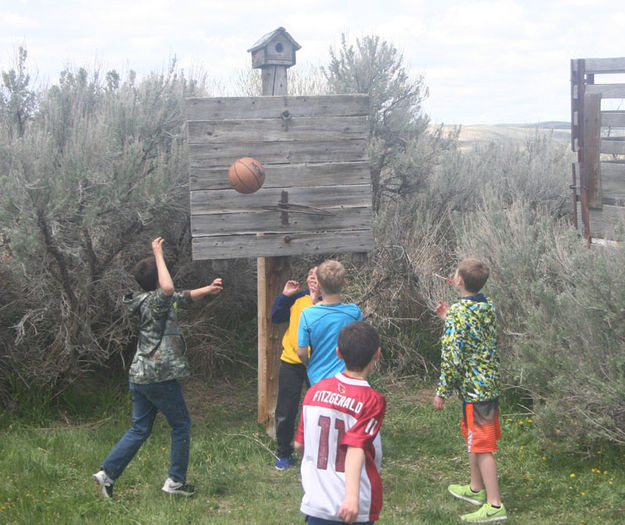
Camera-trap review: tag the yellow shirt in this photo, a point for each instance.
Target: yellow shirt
(289, 341)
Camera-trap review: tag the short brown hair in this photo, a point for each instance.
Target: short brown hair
(474, 273)
(358, 343)
(331, 276)
(146, 274)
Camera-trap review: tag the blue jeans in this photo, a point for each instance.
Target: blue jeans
(291, 378)
(147, 400)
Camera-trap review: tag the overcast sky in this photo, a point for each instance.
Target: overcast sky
(485, 62)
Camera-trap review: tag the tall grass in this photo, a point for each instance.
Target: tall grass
(562, 313)
(560, 306)
(46, 471)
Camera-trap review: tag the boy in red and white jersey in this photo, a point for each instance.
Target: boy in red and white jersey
(338, 436)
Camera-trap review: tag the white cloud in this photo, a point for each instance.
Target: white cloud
(485, 61)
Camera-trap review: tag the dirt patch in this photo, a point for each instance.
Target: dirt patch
(202, 396)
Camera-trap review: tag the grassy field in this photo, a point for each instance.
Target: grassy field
(46, 471)
(471, 135)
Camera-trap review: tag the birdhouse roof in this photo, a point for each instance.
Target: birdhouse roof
(270, 36)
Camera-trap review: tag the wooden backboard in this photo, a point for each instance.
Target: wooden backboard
(312, 148)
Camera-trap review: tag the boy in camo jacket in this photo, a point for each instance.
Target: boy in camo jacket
(470, 365)
(153, 376)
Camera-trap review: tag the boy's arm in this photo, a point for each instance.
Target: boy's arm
(299, 436)
(164, 279)
(354, 460)
(302, 353)
(303, 338)
(212, 289)
(451, 357)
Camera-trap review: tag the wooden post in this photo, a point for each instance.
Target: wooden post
(590, 161)
(272, 273)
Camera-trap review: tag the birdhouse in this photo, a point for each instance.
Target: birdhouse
(274, 49)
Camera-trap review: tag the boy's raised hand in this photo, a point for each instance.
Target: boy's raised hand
(212, 289)
(290, 288)
(157, 246)
(441, 309)
(315, 291)
(215, 287)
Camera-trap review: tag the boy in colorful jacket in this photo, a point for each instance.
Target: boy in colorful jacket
(470, 365)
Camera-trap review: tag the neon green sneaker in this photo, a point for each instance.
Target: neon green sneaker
(465, 493)
(485, 514)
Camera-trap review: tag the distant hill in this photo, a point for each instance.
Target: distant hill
(471, 135)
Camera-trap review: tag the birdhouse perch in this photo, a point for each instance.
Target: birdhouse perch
(274, 49)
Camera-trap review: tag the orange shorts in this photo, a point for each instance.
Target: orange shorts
(480, 425)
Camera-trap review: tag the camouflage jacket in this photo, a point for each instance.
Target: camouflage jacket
(469, 359)
(161, 349)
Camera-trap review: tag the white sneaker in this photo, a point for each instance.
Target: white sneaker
(175, 487)
(105, 483)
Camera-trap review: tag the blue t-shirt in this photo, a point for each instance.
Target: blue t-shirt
(319, 328)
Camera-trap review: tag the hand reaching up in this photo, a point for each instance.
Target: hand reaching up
(290, 288)
(441, 310)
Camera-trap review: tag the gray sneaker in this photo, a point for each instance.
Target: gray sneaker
(105, 483)
(176, 487)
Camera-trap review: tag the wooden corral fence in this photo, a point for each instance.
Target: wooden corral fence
(598, 138)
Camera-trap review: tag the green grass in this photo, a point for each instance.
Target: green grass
(46, 471)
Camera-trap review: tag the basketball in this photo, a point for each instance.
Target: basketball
(246, 175)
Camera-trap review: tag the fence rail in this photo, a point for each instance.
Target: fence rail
(598, 138)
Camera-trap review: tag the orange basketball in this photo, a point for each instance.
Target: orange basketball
(246, 175)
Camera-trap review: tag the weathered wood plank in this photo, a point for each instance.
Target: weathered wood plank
(274, 245)
(589, 165)
(214, 155)
(277, 130)
(230, 201)
(272, 107)
(613, 180)
(613, 118)
(342, 218)
(612, 146)
(608, 223)
(285, 176)
(604, 65)
(607, 90)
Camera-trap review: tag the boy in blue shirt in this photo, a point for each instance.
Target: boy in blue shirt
(319, 325)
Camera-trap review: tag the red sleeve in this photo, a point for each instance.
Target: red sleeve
(368, 425)
(299, 437)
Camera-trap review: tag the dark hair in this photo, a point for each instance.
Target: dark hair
(358, 342)
(146, 274)
(474, 273)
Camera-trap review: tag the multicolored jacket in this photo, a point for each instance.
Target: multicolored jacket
(161, 349)
(469, 360)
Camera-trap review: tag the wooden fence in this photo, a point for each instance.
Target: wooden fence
(598, 138)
